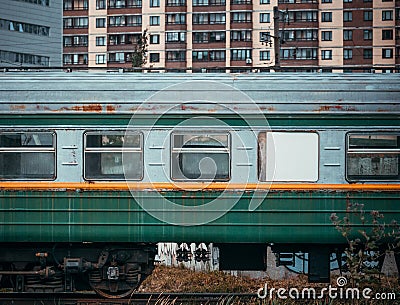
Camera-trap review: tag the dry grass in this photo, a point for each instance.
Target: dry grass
(172, 279)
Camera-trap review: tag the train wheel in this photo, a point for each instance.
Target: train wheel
(109, 283)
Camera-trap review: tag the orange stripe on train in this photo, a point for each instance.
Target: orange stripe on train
(110, 186)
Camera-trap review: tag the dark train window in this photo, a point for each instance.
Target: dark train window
(373, 157)
(200, 157)
(113, 156)
(27, 155)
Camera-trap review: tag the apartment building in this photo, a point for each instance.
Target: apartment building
(31, 33)
(210, 35)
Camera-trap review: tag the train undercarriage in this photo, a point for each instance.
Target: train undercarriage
(112, 271)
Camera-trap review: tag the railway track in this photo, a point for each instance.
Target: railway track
(135, 299)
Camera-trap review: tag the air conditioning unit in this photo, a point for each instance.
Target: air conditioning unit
(248, 61)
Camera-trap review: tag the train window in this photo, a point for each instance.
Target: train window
(201, 157)
(373, 157)
(27, 155)
(288, 156)
(105, 151)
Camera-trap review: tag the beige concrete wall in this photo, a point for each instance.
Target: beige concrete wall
(259, 27)
(148, 11)
(336, 26)
(93, 50)
(378, 26)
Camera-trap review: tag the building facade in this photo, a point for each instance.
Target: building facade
(212, 35)
(31, 33)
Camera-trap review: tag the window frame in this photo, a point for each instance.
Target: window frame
(28, 149)
(361, 151)
(200, 133)
(121, 149)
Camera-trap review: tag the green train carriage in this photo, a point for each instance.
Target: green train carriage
(95, 169)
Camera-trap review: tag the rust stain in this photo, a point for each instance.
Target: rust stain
(110, 108)
(17, 107)
(188, 107)
(83, 108)
(330, 107)
(268, 108)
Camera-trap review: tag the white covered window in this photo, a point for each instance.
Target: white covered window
(288, 156)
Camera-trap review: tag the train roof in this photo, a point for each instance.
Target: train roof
(83, 92)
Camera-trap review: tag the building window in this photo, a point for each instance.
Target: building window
(124, 3)
(326, 1)
(176, 56)
(75, 41)
(347, 35)
(300, 35)
(175, 37)
(200, 55)
(241, 35)
(265, 1)
(100, 4)
(76, 23)
(116, 57)
(212, 18)
(75, 5)
(368, 15)
(387, 34)
(367, 34)
(326, 54)
(241, 17)
(216, 37)
(39, 2)
(100, 22)
(154, 20)
(347, 1)
(347, 16)
(214, 55)
(387, 53)
(104, 152)
(240, 54)
(265, 55)
(154, 39)
(30, 28)
(208, 2)
(100, 59)
(241, 2)
(75, 59)
(24, 58)
(326, 16)
(154, 3)
(28, 155)
(121, 39)
(175, 2)
(326, 35)
(265, 17)
(299, 53)
(387, 15)
(177, 18)
(200, 156)
(367, 53)
(302, 16)
(100, 41)
(373, 156)
(154, 57)
(347, 54)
